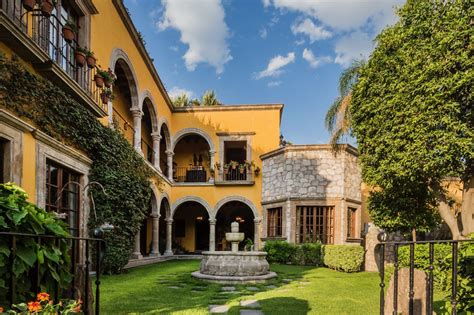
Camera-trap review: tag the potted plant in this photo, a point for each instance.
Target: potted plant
(91, 59)
(233, 164)
(226, 168)
(242, 168)
(28, 5)
(99, 79)
(47, 7)
(106, 96)
(110, 78)
(248, 245)
(257, 171)
(80, 56)
(69, 31)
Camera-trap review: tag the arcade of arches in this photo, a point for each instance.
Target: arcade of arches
(193, 228)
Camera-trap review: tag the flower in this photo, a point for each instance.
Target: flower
(34, 307)
(42, 297)
(1, 309)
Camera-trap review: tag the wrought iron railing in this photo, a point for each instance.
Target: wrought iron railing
(46, 32)
(85, 252)
(123, 126)
(235, 174)
(192, 174)
(148, 152)
(451, 261)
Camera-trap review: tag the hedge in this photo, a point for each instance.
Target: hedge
(347, 258)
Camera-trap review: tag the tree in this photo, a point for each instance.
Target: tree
(338, 120)
(180, 100)
(412, 114)
(210, 99)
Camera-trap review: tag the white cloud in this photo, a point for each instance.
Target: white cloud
(266, 3)
(356, 45)
(314, 61)
(273, 83)
(174, 48)
(299, 42)
(202, 28)
(275, 66)
(177, 91)
(342, 14)
(308, 28)
(263, 33)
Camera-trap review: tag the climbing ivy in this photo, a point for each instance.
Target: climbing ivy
(116, 165)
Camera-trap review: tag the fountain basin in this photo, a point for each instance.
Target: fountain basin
(234, 267)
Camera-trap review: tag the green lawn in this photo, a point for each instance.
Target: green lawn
(304, 290)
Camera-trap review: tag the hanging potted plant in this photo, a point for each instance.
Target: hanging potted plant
(80, 56)
(226, 168)
(28, 5)
(257, 171)
(109, 78)
(100, 78)
(47, 7)
(91, 59)
(69, 31)
(106, 96)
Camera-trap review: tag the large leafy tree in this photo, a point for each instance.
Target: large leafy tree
(412, 114)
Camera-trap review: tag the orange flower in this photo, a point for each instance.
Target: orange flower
(42, 297)
(34, 307)
(1, 309)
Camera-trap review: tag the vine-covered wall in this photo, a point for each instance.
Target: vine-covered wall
(116, 165)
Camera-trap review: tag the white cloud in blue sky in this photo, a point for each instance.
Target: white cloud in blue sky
(314, 61)
(308, 28)
(276, 65)
(202, 27)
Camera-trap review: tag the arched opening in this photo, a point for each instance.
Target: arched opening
(190, 228)
(164, 146)
(147, 129)
(191, 159)
(228, 213)
(146, 231)
(121, 116)
(164, 213)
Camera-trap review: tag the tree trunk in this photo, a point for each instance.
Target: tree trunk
(467, 207)
(448, 216)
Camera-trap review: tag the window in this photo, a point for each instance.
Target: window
(235, 152)
(62, 196)
(274, 222)
(351, 222)
(315, 223)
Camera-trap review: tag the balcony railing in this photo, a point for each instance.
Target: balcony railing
(192, 174)
(46, 32)
(148, 151)
(123, 126)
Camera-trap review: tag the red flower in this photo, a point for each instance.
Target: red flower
(42, 297)
(34, 307)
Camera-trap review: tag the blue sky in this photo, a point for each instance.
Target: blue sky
(262, 51)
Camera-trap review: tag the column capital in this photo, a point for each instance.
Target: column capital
(169, 221)
(155, 216)
(212, 221)
(155, 136)
(257, 220)
(169, 152)
(136, 113)
(212, 152)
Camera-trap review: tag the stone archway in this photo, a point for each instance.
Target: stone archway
(147, 238)
(165, 152)
(150, 136)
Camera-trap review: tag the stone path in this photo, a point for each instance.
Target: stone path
(250, 304)
(251, 312)
(252, 288)
(218, 309)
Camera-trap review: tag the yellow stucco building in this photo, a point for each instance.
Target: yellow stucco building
(197, 190)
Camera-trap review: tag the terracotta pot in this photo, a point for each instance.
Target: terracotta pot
(47, 7)
(91, 61)
(80, 58)
(68, 34)
(107, 84)
(29, 5)
(99, 80)
(104, 98)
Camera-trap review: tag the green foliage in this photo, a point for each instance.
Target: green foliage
(17, 215)
(116, 165)
(347, 258)
(283, 252)
(180, 100)
(412, 112)
(210, 99)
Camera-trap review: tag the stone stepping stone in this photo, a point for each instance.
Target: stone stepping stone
(270, 287)
(253, 289)
(287, 280)
(230, 292)
(218, 309)
(228, 289)
(199, 288)
(174, 287)
(251, 312)
(250, 304)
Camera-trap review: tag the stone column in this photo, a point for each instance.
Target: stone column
(156, 149)
(212, 234)
(256, 242)
(170, 154)
(212, 165)
(136, 252)
(169, 231)
(155, 236)
(137, 126)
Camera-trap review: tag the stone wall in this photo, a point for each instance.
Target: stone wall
(310, 172)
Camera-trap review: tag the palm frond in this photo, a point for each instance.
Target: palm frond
(349, 76)
(210, 99)
(331, 115)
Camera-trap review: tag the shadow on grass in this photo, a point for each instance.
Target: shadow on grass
(278, 305)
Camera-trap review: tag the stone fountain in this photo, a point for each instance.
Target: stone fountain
(234, 266)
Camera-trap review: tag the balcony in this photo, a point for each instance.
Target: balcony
(192, 174)
(123, 126)
(38, 39)
(234, 173)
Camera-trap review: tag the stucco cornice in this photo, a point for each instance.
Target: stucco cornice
(230, 107)
(311, 147)
(141, 48)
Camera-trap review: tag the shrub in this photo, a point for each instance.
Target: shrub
(283, 252)
(280, 252)
(347, 258)
(17, 215)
